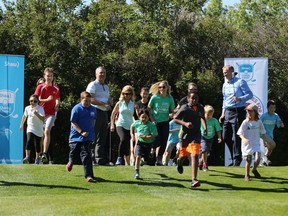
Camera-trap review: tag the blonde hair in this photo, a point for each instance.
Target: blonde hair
(129, 89)
(208, 108)
(154, 89)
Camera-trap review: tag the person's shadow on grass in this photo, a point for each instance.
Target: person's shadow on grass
(9, 184)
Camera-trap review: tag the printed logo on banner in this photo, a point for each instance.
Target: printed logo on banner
(256, 100)
(7, 103)
(246, 71)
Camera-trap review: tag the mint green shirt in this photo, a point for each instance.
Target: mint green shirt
(213, 126)
(145, 129)
(161, 107)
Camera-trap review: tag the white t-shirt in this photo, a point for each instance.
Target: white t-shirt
(251, 130)
(34, 124)
(101, 92)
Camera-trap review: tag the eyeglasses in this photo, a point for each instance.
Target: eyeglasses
(33, 101)
(161, 87)
(126, 94)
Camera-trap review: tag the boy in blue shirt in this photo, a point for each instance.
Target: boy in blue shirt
(82, 134)
(270, 119)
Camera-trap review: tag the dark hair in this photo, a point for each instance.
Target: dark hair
(270, 102)
(143, 111)
(145, 88)
(194, 91)
(35, 96)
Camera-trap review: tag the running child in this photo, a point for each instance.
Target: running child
(213, 128)
(249, 132)
(146, 131)
(190, 117)
(35, 114)
(270, 119)
(172, 141)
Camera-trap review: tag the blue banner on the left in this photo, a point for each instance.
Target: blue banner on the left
(11, 108)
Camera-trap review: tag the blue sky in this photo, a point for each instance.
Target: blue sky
(225, 2)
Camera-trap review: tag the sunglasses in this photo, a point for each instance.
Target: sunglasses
(126, 94)
(161, 87)
(33, 101)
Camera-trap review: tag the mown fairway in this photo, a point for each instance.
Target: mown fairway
(51, 190)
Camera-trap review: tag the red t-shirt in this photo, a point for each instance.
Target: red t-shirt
(44, 91)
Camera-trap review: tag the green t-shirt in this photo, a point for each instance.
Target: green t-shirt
(213, 126)
(145, 129)
(161, 107)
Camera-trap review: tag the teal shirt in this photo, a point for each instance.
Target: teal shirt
(161, 107)
(126, 112)
(145, 129)
(213, 126)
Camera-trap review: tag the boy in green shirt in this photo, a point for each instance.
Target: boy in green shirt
(213, 127)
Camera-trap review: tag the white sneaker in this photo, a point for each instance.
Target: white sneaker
(266, 161)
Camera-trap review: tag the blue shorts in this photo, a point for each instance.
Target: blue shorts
(206, 145)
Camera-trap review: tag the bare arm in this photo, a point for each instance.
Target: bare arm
(78, 129)
(23, 122)
(113, 114)
(99, 103)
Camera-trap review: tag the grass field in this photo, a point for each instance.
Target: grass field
(51, 190)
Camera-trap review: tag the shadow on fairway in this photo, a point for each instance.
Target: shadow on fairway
(144, 182)
(5, 183)
(273, 180)
(223, 186)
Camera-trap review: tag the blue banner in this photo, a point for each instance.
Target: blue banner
(11, 108)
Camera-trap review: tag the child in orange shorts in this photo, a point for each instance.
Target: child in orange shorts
(190, 117)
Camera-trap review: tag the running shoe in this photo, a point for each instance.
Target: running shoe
(247, 178)
(69, 166)
(26, 160)
(37, 161)
(256, 173)
(205, 167)
(195, 183)
(137, 175)
(91, 179)
(44, 158)
(179, 166)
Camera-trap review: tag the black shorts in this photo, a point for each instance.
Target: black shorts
(143, 149)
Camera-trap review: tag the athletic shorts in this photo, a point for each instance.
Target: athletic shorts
(49, 121)
(170, 147)
(206, 145)
(191, 148)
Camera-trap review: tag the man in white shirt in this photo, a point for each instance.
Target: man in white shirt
(101, 100)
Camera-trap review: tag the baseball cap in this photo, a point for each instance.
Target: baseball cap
(252, 107)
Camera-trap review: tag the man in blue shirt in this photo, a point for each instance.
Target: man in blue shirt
(82, 134)
(235, 94)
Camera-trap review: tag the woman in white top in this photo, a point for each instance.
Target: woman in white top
(125, 110)
(35, 114)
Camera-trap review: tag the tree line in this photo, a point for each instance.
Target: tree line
(143, 42)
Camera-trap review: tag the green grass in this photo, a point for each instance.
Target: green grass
(51, 190)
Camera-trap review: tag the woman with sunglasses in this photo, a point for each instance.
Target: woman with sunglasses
(35, 114)
(125, 108)
(161, 105)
